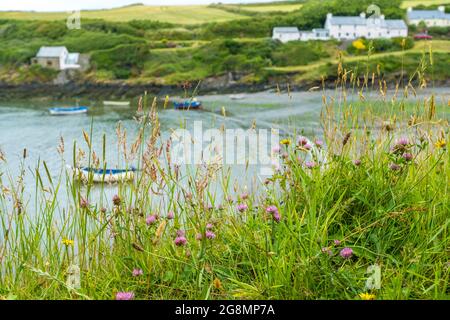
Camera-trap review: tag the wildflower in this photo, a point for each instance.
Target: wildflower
(346, 253)
(394, 167)
(285, 155)
(318, 143)
(271, 209)
(285, 142)
(210, 235)
(407, 156)
(307, 146)
(209, 226)
(276, 149)
(357, 162)
(198, 236)
(137, 272)
(151, 219)
(180, 241)
(310, 164)
(302, 141)
(84, 203)
(103, 210)
(244, 196)
(276, 216)
(440, 144)
(327, 251)
(124, 296)
(337, 242)
(116, 200)
(242, 207)
(170, 215)
(68, 242)
(367, 296)
(402, 142)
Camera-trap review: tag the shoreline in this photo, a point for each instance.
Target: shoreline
(122, 90)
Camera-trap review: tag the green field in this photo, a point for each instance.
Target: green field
(171, 14)
(285, 7)
(413, 3)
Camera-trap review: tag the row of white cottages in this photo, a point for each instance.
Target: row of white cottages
(353, 27)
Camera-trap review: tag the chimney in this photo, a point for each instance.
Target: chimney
(362, 15)
(410, 9)
(329, 15)
(441, 8)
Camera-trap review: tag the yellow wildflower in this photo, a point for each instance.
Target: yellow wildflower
(367, 296)
(67, 242)
(441, 143)
(285, 142)
(359, 44)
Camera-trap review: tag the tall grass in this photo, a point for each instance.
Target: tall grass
(379, 187)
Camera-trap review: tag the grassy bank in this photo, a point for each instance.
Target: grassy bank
(371, 193)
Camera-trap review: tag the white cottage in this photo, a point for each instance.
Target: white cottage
(286, 34)
(57, 58)
(353, 27)
(431, 18)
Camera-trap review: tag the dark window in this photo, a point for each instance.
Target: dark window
(49, 63)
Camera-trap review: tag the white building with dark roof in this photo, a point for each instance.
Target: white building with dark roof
(431, 18)
(57, 58)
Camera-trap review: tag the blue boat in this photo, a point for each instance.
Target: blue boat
(104, 175)
(187, 105)
(68, 110)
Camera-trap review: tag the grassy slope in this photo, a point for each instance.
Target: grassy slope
(174, 14)
(413, 3)
(285, 7)
(436, 45)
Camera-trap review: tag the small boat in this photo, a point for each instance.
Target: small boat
(68, 110)
(117, 103)
(103, 175)
(237, 96)
(187, 105)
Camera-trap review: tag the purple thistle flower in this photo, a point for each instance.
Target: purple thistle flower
(346, 253)
(272, 209)
(198, 236)
(276, 216)
(244, 196)
(357, 162)
(337, 242)
(209, 226)
(124, 296)
(310, 164)
(394, 167)
(151, 219)
(242, 207)
(137, 272)
(170, 215)
(407, 156)
(116, 200)
(402, 142)
(180, 241)
(84, 203)
(210, 235)
(327, 251)
(307, 146)
(318, 143)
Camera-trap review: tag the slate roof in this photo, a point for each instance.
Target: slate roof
(427, 14)
(50, 52)
(285, 30)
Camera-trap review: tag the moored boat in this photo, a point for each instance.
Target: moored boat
(117, 103)
(86, 174)
(68, 110)
(187, 105)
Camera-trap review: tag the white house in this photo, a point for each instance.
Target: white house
(431, 18)
(353, 27)
(57, 58)
(347, 27)
(286, 34)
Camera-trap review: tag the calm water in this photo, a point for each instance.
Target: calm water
(25, 124)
